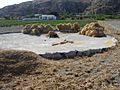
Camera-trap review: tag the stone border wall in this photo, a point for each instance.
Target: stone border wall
(72, 54)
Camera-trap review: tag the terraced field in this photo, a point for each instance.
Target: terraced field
(8, 23)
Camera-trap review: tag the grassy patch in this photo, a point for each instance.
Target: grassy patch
(7, 23)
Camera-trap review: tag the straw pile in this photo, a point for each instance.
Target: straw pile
(52, 34)
(37, 29)
(93, 30)
(68, 27)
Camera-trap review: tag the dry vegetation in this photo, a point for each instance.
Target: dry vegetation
(27, 71)
(35, 29)
(68, 27)
(93, 30)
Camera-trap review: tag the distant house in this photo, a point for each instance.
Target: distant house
(47, 17)
(30, 19)
(41, 17)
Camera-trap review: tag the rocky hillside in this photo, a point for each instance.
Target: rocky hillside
(61, 6)
(104, 6)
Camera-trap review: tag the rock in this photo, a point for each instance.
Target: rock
(55, 56)
(87, 53)
(71, 54)
(92, 51)
(79, 53)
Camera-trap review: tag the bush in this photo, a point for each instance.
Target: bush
(100, 18)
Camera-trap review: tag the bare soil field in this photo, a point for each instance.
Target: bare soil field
(22, 70)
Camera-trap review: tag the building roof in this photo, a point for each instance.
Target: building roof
(48, 16)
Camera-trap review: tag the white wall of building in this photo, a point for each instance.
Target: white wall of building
(48, 17)
(42, 17)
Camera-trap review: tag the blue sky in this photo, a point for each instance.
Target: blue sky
(10, 2)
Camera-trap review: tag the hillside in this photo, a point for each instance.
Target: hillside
(61, 6)
(104, 6)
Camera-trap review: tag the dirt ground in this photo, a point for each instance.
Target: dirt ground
(31, 72)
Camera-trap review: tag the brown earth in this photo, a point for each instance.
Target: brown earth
(30, 72)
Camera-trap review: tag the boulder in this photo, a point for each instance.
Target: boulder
(55, 56)
(71, 54)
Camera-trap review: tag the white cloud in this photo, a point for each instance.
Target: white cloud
(10, 2)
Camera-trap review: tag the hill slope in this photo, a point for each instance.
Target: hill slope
(104, 6)
(61, 6)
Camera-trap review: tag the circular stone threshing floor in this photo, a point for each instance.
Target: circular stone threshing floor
(42, 44)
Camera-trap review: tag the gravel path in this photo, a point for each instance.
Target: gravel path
(115, 24)
(15, 29)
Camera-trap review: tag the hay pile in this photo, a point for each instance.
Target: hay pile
(37, 29)
(26, 29)
(68, 27)
(52, 34)
(93, 30)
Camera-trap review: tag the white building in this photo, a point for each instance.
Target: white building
(47, 17)
(41, 17)
(29, 19)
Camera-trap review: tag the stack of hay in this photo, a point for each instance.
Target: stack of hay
(37, 29)
(34, 30)
(69, 28)
(26, 29)
(52, 34)
(93, 30)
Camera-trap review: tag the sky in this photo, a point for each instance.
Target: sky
(10, 2)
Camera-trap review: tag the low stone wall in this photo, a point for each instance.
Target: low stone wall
(72, 54)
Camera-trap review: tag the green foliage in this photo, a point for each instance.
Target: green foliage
(101, 16)
(4, 23)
